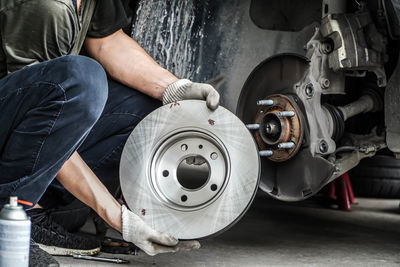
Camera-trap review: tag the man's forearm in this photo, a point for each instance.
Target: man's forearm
(80, 181)
(128, 63)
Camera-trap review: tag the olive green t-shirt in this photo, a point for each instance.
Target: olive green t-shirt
(34, 31)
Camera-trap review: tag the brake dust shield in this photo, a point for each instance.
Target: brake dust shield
(190, 171)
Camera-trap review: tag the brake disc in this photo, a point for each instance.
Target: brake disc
(190, 171)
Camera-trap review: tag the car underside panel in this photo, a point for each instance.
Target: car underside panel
(285, 15)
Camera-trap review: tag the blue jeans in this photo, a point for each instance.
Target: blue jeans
(52, 109)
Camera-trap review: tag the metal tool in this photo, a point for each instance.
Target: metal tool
(103, 259)
(188, 198)
(15, 231)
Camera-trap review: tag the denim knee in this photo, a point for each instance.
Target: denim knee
(87, 86)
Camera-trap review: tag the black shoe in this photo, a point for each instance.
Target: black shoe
(40, 258)
(71, 216)
(54, 239)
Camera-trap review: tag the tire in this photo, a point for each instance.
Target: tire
(377, 177)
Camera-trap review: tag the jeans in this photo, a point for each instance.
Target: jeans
(52, 109)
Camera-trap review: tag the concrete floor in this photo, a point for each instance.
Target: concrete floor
(293, 234)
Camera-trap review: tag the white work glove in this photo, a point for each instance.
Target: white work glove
(185, 89)
(135, 230)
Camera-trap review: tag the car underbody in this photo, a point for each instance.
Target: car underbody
(315, 81)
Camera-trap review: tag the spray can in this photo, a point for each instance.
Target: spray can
(15, 232)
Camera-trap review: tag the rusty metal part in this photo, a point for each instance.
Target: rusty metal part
(276, 129)
(308, 171)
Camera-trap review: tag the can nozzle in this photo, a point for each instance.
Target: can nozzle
(13, 201)
(13, 212)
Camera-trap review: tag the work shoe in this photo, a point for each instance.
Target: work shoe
(55, 240)
(39, 257)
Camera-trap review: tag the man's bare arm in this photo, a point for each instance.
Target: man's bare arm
(128, 63)
(81, 182)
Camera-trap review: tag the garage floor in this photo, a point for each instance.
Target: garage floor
(293, 234)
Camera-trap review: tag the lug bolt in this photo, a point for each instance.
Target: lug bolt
(287, 145)
(323, 146)
(253, 126)
(326, 48)
(290, 113)
(325, 83)
(265, 102)
(266, 153)
(309, 90)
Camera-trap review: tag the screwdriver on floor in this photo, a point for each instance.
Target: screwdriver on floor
(103, 259)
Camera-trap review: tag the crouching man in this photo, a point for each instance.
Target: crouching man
(65, 118)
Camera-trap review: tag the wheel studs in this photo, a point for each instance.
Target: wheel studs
(265, 102)
(290, 113)
(287, 145)
(266, 153)
(253, 127)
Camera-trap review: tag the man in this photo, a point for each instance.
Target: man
(61, 117)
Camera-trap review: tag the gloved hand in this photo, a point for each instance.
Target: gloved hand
(135, 230)
(185, 89)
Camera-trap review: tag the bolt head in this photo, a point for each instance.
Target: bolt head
(325, 83)
(326, 48)
(323, 146)
(268, 129)
(309, 90)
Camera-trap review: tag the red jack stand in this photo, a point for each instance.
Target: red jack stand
(340, 192)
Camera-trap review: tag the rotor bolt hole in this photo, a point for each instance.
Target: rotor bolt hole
(214, 156)
(214, 187)
(200, 146)
(184, 147)
(184, 198)
(165, 173)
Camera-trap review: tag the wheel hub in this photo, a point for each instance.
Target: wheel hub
(280, 128)
(194, 168)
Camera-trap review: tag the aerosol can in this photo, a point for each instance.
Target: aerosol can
(15, 231)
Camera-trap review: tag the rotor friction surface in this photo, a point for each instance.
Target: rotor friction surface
(169, 136)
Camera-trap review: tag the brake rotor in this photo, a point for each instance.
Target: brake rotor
(190, 171)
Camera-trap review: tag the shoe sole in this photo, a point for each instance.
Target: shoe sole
(57, 251)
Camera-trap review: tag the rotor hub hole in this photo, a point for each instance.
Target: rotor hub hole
(193, 172)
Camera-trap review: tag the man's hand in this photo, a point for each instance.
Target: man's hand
(135, 230)
(79, 180)
(185, 89)
(125, 61)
